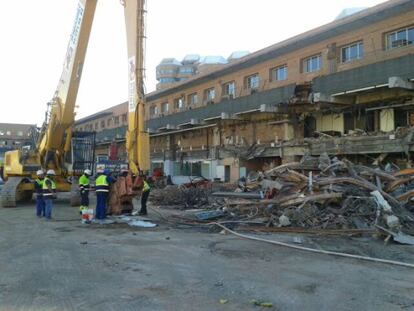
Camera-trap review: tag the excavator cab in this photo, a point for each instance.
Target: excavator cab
(20, 168)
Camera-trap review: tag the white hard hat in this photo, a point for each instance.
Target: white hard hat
(40, 173)
(51, 172)
(87, 172)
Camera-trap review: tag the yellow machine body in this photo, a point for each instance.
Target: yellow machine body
(55, 136)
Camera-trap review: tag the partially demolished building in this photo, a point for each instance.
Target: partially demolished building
(345, 88)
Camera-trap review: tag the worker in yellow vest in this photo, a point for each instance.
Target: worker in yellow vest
(49, 192)
(84, 189)
(144, 196)
(40, 203)
(102, 192)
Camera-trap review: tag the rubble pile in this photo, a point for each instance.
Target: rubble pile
(180, 197)
(324, 193)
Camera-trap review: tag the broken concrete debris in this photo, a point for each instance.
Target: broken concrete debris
(318, 193)
(180, 197)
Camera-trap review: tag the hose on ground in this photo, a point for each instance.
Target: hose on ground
(302, 248)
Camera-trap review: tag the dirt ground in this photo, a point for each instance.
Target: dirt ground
(64, 265)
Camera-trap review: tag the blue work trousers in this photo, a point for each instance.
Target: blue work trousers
(84, 197)
(49, 207)
(101, 199)
(40, 206)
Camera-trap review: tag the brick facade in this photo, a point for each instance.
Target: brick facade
(334, 80)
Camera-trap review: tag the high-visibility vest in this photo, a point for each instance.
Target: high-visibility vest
(46, 191)
(101, 184)
(146, 187)
(84, 182)
(39, 187)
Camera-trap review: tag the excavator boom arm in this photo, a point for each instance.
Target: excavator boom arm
(62, 113)
(137, 138)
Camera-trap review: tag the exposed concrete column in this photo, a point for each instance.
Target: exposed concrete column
(387, 122)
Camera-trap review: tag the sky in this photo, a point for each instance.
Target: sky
(34, 37)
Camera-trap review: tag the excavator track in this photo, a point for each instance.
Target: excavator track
(11, 194)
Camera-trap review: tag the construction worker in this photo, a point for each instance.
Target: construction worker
(144, 196)
(102, 192)
(49, 192)
(84, 190)
(40, 203)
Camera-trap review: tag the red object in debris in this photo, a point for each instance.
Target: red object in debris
(157, 172)
(113, 151)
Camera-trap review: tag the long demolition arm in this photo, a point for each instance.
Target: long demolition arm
(56, 136)
(137, 139)
(52, 143)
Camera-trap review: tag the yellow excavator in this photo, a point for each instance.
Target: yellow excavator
(55, 142)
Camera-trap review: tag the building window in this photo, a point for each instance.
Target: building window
(102, 124)
(165, 71)
(186, 70)
(312, 64)
(252, 82)
(96, 125)
(165, 108)
(179, 103)
(153, 110)
(124, 118)
(279, 73)
(352, 52)
(167, 80)
(193, 99)
(399, 38)
(109, 122)
(229, 89)
(210, 95)
(116, 120)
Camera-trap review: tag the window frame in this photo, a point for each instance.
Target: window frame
(226, 89)
(248, 84)
(207, 98)
(190, 99)
(165, 104)
(153, 110)
(179, 103)
(360, 55)
(274, 70)
(388, 44)
(309, 58)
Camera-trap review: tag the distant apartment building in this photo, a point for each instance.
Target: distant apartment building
(14, 136)
(345, 88)
(171, 71)
(110, 126)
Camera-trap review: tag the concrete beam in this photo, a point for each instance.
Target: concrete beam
(228, 116)
(397, 82)
(195, 121)
(274, 108)
(325, 98)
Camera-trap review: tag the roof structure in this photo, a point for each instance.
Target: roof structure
(343, 25)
